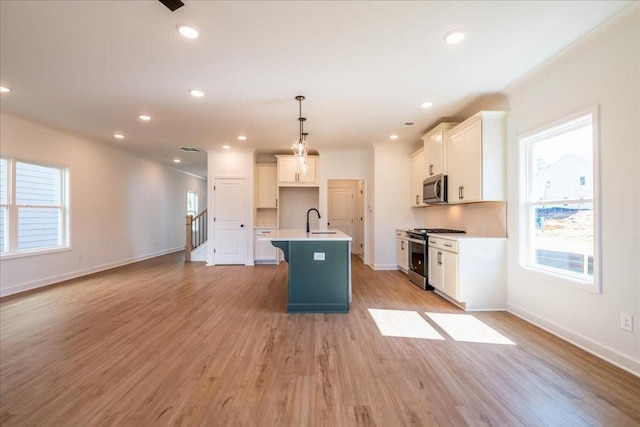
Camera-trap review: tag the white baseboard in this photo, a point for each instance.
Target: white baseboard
(621, 360)
(47, 281)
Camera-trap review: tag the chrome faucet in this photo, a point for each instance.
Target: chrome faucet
(312, 209)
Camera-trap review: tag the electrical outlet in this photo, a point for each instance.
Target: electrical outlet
(626, 322)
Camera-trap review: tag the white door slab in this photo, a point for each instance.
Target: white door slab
(229, 221)
(341, 209)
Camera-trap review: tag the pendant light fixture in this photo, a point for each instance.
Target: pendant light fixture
(300, 147)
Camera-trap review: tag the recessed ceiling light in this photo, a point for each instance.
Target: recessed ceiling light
(118, 136)
(242, 138)
(4, 89)
(394, 136)
(176, 160)
(144, 117)
(196, 93)
(226, 147)
(188, 32)
(426, 105)
(454, 36)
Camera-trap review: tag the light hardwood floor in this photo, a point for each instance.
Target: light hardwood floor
(166, 343)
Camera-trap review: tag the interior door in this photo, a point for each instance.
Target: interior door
(341, 209)
(229, 221)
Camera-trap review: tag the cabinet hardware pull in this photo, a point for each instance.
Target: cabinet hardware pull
(462, 192)
(402, 245)
(417, 199)
(430, 169)
(447, 245)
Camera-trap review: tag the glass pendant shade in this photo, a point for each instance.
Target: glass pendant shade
(300, 147)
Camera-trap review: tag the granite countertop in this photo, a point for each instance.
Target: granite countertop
(301, 235)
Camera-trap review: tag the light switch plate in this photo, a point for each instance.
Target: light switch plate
(318, 256)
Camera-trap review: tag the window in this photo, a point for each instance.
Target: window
(192, 203)
(561, 235)
(33, 207)
(192, 208)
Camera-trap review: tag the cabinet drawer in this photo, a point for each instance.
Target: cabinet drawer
(264, 233)
(444, 244)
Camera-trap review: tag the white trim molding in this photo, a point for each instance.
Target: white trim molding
(600, 350)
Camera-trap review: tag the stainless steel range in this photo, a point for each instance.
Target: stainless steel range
(418, 249)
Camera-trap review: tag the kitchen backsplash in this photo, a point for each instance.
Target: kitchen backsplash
(487, 219)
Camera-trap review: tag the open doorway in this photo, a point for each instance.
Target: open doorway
(346, 210)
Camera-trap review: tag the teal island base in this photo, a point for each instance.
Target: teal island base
(319, 275)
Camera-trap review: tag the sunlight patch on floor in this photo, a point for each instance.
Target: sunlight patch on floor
(402, 323)
(465, 327)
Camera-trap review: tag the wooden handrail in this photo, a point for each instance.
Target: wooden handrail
(196, 233)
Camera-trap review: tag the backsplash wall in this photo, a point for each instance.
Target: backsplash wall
(487, 219)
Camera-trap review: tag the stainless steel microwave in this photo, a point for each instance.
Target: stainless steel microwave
(434, 190)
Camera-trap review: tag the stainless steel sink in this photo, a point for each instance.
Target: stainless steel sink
(323, 232)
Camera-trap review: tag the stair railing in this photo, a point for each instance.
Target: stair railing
(196, 233)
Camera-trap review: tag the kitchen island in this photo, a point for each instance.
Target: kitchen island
(319, 269)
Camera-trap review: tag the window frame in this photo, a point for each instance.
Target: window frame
(12, 227)
(527, 203)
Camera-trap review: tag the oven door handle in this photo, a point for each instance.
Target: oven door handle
(420, 242)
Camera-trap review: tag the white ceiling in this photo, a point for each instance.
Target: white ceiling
(91, 67)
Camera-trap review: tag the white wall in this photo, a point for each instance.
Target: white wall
(232, 164)
(123, 208)
(603, 70)
(391, 201)
(336, 164)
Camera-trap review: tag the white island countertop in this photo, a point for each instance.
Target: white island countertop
(301, 235)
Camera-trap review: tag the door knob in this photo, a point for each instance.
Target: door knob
(241, 225)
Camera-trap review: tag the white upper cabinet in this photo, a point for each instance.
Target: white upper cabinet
(417, 175)
(476, 156)
(435, 153)
(267, 185)
(290, 176)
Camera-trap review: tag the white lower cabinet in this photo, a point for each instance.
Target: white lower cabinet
(402, 251)
(264, 252)
(469, 271)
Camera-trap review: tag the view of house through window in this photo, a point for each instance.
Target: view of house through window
(560, 198)
(33, 212)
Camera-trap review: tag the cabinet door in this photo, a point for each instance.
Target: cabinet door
(435, 268)
(433, 155)
(472, 181)
(450, 273)
(402, 253)
(417, 175)
(267, 186)
(287, 170)
(311, 176)
(455, 166)
(264, 251)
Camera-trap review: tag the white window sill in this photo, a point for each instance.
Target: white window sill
(560, 279)
(33, 252)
